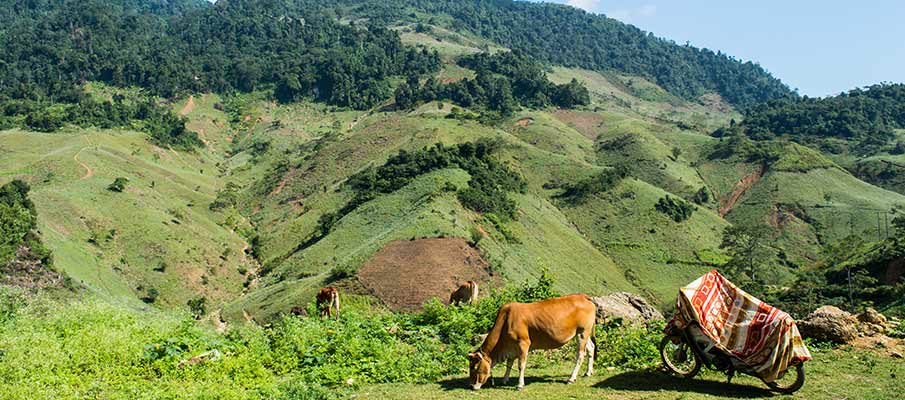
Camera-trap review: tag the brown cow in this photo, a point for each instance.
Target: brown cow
(547, 324)
(466, 293)
(328, 302)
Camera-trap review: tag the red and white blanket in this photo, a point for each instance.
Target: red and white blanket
(762, 336)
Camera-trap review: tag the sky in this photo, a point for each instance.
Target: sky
(818, 47)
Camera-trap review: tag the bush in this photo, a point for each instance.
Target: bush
(198, 306)
(677, 209)
(118, 185)
(602, 182)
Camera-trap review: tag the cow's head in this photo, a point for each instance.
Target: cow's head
(478, 369)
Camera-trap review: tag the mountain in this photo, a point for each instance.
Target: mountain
(267, 149)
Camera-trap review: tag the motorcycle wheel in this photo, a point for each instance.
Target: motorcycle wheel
(679, 359)
(785, 386)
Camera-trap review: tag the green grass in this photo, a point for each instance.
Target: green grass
(112, 242)
(833, 374)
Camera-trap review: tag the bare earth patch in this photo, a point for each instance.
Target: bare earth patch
(407, 273)
(587, 123)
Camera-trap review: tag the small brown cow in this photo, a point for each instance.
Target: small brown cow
(328, 302)
(547, 324)
(466, 293)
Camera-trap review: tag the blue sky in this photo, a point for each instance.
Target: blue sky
(818, 47)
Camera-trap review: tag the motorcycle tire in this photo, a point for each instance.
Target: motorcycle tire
(799, 382)
(668, 364)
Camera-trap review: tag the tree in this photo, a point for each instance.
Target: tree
(118, 185)
(198, 306)
(751, 259)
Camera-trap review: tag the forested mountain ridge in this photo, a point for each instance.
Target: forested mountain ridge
(563, 35)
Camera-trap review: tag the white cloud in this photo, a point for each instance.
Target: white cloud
(632, 14)
(587, 5)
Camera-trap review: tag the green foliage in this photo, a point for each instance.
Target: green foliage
(562, 35)
(629, 347)
(198, 306)
(232, 46)
(677, 209)
(138, 112)
(226, 197)
(752, 262)
(701, 197)
(19, 224)
(867, 117)
(579, 192)
(503, 81)
(118, 185)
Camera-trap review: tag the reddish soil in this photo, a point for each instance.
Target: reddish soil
(405, 274)
(189, 106)
(523, 122)
(742, 186)
(587, 123)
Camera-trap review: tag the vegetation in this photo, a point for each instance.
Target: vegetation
(18, 225)
(677, 209)
(568, 36)
(602, 182)
(864, 118)
(191, 46)
(503, 81)
(118, 185)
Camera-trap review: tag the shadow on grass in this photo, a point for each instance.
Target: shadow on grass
(653, 381)
(463, 384)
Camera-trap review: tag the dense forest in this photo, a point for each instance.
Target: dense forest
(865, 117)
(49, 47)
(503, 82)
(568, 36)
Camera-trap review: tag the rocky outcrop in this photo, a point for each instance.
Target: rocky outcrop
(626, 307)
(830, 324)
(872, 323)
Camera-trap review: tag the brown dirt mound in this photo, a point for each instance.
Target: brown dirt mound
(405, 274)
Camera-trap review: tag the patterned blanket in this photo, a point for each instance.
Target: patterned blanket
(763, 337)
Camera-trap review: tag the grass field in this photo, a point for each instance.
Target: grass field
(834, 374)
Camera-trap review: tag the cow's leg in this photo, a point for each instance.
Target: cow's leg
(336, 304)
(581, 339)
(524, 346)
(592, 349)
(509, 362)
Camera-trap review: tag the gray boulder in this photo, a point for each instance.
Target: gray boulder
(829, 323)
(627, 307)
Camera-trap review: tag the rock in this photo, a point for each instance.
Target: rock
(829, 323)
(627, 307)
(895, 354)
(872, 317)
(209, 356)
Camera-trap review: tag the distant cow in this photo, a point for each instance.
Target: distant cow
(548, 324)
(328, 302)
(466, 293)
(298, 311)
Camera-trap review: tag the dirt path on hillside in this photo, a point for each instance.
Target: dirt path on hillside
(739, 190)
(189, 106)
(89, 172)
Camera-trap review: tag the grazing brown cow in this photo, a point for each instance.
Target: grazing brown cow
(328, 302)
(547, 324)
(466, 293)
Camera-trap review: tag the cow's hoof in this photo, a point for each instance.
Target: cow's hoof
(588, 374)
(570, 381)
(520, 388)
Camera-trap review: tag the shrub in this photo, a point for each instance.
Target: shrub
(677, 209)
(118, 185)
(198, 306)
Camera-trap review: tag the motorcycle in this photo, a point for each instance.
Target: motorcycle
(684, 350)
(719, 325)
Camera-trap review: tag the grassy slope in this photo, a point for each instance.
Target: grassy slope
(161, 217)
(833, 374)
